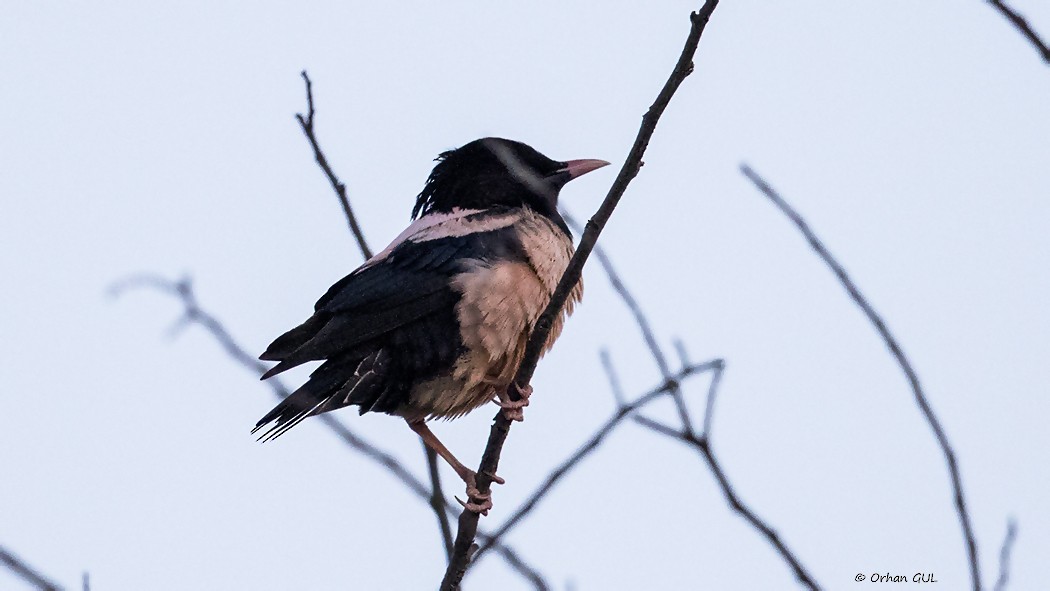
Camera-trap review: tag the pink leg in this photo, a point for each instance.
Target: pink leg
(476, 502)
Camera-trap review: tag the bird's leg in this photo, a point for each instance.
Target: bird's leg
(476, 502)
(512, 409)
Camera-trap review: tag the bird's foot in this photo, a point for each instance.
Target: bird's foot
(478, 502)
(512, 409)
(481, 508)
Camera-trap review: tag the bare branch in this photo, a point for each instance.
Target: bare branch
(1004, 555)
(640, 319)
(589, 446)
(712, 388)
(654, 425)
(683, 355)
(898, 354)
(1022, 25)
(468, 521)
(703, 446)
(183, 291)
(437, 499)
(614, 380)
(307, 123)
(712, 394)
(25, 572)
(514, 561)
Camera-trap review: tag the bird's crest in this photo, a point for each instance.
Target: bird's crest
(437, 182)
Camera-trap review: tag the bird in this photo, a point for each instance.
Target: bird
(435, 324)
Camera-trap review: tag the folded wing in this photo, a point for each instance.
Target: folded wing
(383, 327)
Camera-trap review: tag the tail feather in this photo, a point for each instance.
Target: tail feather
(334, 385)
(297, 406)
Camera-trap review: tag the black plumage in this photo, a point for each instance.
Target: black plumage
(406, 304)
(434, 325)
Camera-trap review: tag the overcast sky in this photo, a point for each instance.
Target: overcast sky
(143, 138)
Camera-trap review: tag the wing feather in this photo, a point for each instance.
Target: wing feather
(390, 323)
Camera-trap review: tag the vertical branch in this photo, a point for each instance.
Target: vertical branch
(468, 521)
(898, 354)
(437, 499)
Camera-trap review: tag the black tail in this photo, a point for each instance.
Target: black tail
(337, 383)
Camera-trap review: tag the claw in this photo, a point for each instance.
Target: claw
(524, 392)
(473, 493)
(482, 509)
(513, 413)
(478, 502)
(512, 409)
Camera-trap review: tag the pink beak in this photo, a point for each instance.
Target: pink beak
(577, 168)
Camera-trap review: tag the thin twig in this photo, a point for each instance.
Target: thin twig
(654, 425)
(468, 520)
(1022, 25)
(703, 446)
(26, 572)
(194, 314)
(1004, 555)
(683, 355)
(614, 380)
(589, 446)
(307, 123)
(640, 319)
(898, 354)
(437, 499)
(712, 394)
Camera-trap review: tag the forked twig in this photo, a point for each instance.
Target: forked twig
(307, 123)
(622, 412)
(640, 319)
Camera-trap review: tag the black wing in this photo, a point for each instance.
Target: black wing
(383, 328)
(410, 284)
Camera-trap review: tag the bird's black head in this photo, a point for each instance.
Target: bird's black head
(494, 171)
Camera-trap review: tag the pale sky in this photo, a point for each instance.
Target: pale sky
(142, 138)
